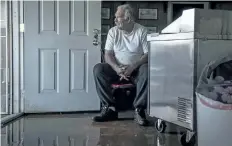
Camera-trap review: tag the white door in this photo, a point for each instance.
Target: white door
(60, 55)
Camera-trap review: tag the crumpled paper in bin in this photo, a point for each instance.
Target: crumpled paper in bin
(216, 92)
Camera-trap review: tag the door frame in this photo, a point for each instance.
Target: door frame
(17, 45)
(15, 35)
(170, 8)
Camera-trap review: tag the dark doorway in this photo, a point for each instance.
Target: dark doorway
(178, 9)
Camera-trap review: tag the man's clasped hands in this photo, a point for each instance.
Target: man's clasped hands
(125, 71)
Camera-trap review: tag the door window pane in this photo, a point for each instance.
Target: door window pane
(3, 10)
(3, 74)
(3, 52)
(3, 28)
(4, 65)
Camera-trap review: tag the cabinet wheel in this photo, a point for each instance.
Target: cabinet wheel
(160, 127)
(185, 142)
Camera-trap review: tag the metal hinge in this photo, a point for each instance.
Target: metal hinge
(22, 94)
(21, 27)
(9, 101)
(9, 106)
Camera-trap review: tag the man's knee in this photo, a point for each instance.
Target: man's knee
(144, 67)
(98, 68)
(144, 70)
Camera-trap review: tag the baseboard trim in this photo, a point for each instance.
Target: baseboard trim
(61, 113)
(7, 119)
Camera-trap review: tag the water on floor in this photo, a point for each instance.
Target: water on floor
(79, 130)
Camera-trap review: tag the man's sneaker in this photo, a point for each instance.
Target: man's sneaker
(140, 117)
(107, 114)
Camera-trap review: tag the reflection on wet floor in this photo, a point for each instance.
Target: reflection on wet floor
(79, 130)
(4, 115)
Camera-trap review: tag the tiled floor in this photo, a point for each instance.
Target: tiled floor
(79, 130)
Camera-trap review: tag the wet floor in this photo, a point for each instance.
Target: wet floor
(3, 115)
(79, 130)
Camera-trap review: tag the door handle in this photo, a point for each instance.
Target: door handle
(96, 37)
(96, 31)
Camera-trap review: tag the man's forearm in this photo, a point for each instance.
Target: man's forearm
(110, 59)
(143, 60)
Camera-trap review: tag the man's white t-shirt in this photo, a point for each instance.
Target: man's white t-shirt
(128, 48)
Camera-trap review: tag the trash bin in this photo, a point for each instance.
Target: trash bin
(214, 104)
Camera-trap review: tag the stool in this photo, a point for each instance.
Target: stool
(124, 94)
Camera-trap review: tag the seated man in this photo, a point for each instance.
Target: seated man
(126, 56)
